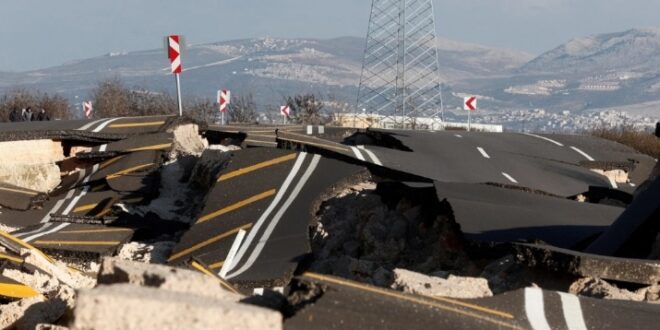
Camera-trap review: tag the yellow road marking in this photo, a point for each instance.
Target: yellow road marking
(257, 141)
(127, 171)
(217, 265)
(236, 206)
(208, 242)
(94, 231)
(84, 208)
(90, 243)
(401, 296)
(128, 125)
(258, 166)
(17, 291)
(109, 162)
(203, 269)
(29, 193)
(25, 245)
(320, 145)
(153, 147)
(11, 258)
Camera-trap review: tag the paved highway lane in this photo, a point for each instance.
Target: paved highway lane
(525, 160)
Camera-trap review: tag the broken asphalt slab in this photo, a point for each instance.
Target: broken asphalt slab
(329, 302)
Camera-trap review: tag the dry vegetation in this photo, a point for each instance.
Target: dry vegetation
(642, 141)
(56, 106)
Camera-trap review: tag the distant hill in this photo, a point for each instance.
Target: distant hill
(269, 68)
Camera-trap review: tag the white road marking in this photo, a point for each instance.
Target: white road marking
(102, 126)
(510, 178)
(258, 291)
(583, 154)
(276, 219)
(570, 304)
(229, 260)
(613, 183)
(59, 227)
(88, 125)
(71, 192)
(280, 194)
(27, 233)
(483, 152)
(458, 136)
(632, 184)
(544, 138)
(358, 154)
(534, 309)
(371, 155)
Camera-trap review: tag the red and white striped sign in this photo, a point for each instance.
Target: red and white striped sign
(470, 103)
(285, 110)
(224, 98)
(87, 109)
(174, 53)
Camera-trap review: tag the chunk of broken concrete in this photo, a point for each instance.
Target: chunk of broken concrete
(124, 306)
(453, 286)
(114, 271)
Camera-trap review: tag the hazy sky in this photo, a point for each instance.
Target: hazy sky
(41, 33)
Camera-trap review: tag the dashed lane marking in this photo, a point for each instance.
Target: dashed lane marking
(510, 178)
(131, 125)
(589, 158)
(483, 152)
(544, 138)
(458, 136)
(103, 125)
(208, 242)
(258, 166)
(434, 304)
(217, 265)
(237, 205)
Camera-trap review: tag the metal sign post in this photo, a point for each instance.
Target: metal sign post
(174, 54)
(470, 104)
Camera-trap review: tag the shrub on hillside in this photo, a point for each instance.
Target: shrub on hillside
(642, 141)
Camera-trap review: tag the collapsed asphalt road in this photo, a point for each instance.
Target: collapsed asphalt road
(261, 209)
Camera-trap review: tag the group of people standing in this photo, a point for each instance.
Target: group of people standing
(26, 114)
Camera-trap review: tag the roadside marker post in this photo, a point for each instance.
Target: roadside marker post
(174, 54)
(469, 105)
(224, 99)
(87, 109)
(284, 111)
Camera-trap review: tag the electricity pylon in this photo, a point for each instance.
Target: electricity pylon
(400, 72)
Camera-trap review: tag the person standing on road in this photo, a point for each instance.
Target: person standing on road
(42, 115)
(14, 116)
(28, 114)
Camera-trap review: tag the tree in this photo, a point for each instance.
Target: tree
(243, 109)
(111, 99)
(55, 105)
(306, 109)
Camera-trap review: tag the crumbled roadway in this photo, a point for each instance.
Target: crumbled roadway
(270, 193)
(517, 214)
(348, 304)
(469, 157)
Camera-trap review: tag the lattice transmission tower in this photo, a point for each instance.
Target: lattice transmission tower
(400, 72)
